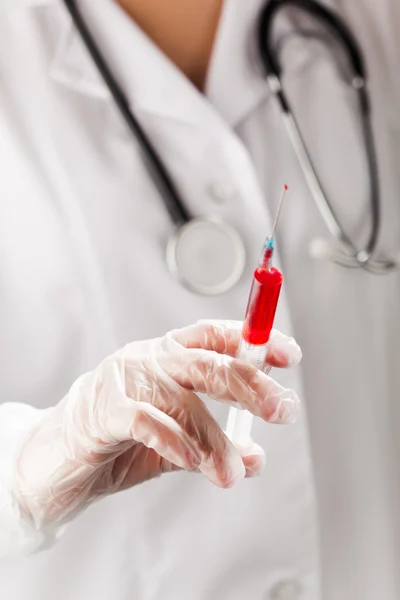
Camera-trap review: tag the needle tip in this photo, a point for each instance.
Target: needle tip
(286, 188)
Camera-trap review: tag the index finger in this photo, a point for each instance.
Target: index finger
(224, 337)
(228, 379)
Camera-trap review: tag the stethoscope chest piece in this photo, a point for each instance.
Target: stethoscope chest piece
(207, 256)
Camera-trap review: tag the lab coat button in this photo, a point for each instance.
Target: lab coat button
(219, 192)
(285, 590)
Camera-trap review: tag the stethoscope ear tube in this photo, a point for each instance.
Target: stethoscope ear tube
(327, 17)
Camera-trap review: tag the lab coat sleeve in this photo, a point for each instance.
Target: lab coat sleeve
(17, 534)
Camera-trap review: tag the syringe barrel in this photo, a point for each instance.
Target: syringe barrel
(240, 422)
(261, 308)
(259, 320)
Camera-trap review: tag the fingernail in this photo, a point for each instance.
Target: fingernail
(228, 483)
(288, 354)
(232, 469)
(232, 482)
(228, 471)
(254, 460)
(286, 411)
(255, 465)
(294, 353)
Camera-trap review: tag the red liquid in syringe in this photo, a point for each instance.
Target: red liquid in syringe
(263, 301)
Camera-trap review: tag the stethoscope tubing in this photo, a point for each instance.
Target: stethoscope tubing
(272, 69)
(177, 210)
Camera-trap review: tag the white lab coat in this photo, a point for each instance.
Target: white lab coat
(82, 271)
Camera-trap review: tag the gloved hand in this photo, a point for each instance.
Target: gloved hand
(137, 416)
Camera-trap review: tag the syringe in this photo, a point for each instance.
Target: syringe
(257, 326)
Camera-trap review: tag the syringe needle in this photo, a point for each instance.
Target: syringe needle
(278, 214)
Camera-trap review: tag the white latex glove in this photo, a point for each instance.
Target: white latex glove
(137, 416)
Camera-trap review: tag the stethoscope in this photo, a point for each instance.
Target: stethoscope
(207, 255)
(345, 251)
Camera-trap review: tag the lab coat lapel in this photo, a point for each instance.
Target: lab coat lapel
(236, 84)
(72, 65)
(147, 77)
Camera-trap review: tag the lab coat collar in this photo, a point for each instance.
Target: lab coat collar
(151, 83)
(235, 84)
(148, 77)
(71, 64)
